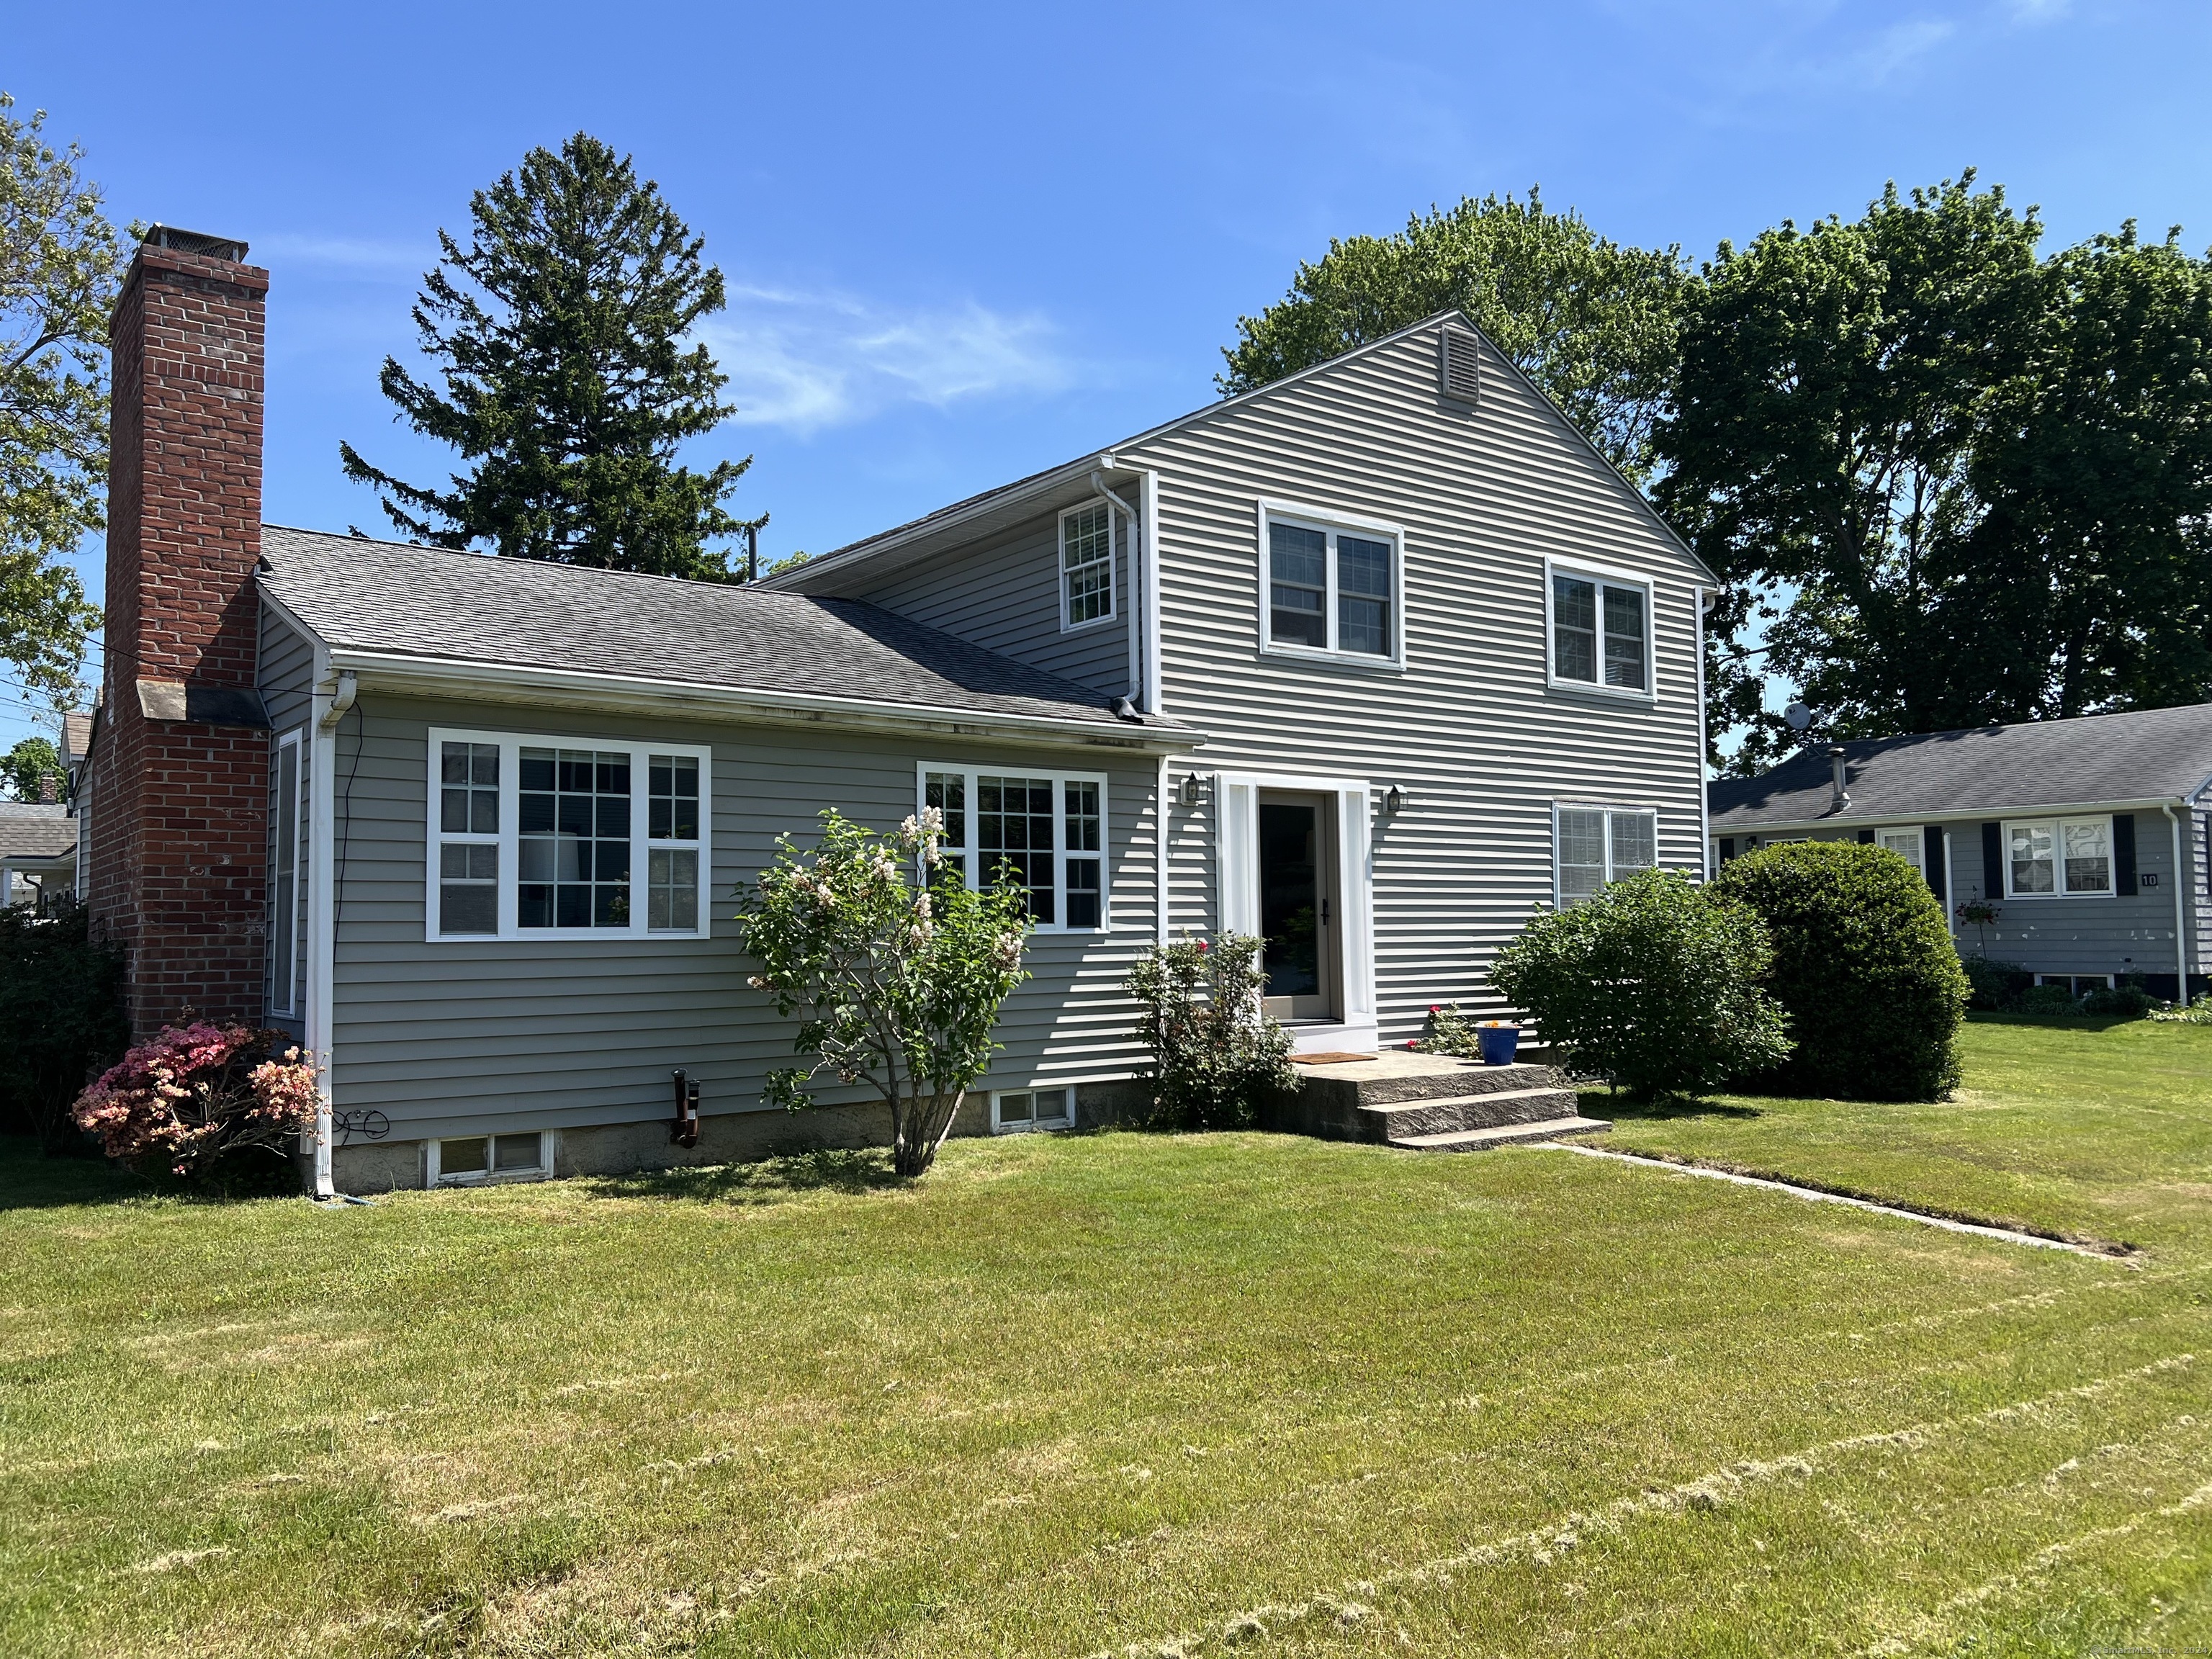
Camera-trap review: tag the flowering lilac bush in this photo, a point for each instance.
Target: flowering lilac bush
(193, 1094)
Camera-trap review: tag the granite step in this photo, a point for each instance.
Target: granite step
(1400, 1120)
(1503, 1134)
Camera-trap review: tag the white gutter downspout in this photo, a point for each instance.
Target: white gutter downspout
(1135, 620)
(1704, 597)
(322, 934)
(1144, 675)
(2183, 885)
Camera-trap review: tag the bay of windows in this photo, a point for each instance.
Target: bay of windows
(532, 837)
(1045, 832)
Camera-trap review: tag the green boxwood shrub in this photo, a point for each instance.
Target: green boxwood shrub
(1655, 983)
(1996, 985)
(1865, 966)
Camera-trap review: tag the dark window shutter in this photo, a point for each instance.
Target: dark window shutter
(1727, 848)
(1866, 837)
(1459, 366)
(1931, 859)
(2124, 852)
(1993, 861)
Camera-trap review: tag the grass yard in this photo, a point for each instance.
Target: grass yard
(1134, 1393)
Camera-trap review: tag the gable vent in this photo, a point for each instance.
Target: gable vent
(1459, 366)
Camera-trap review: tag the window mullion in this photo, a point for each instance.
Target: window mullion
(1059, 850)
(510, 841)
(1328, 599)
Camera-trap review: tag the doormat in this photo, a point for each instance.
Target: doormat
(1327, 1059)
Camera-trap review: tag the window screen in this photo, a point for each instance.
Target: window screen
(1297, 586)
(1363, 598)
(672, 815)
(468, 852)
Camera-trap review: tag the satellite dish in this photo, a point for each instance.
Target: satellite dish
(1798, 715)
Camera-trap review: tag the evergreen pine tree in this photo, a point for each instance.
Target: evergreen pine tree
(560, 336)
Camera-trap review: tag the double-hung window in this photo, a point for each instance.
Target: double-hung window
(1594, 845)
(1044, 832)
(2053, 858)
(584, 838)
(1333, 587)
(1601, 629)
(1086, 565)
(1907, 844)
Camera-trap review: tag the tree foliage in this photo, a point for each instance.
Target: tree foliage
(897, 983)
(1655, 983)
(1215, 1052)
(1591, 322)
(564, 380)
(1864, 964)
(30, 767)
(61, 1016)
(60, 261)
(1951, 481)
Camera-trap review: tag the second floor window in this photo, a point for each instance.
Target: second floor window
(1601, 632)
(1086, 565)
(1331, 589)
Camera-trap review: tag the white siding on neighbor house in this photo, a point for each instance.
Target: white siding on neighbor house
(1003, 594)
(286, 676)
(462, 1036)
(1469, 728)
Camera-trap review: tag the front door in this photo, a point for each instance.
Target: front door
(1297, 912)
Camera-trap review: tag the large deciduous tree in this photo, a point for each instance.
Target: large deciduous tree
(59, 264)
(1950, 482)
(566, 379)
(1591, 322)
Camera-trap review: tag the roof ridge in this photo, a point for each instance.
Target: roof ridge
(2022, 725)
(514, 561)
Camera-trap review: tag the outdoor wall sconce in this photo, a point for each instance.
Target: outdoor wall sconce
(684, 1130)
(1395, 799)
(1192, 790)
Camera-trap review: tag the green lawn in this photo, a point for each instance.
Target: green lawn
(1131, 1393)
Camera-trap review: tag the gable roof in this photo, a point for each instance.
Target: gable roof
(421, 604)
(2148, 755)
(1009, 504)
(33, 830)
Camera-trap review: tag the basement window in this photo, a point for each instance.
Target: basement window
(1594, 845)
(538, 838)
(472, 1160)
(1015, 1110)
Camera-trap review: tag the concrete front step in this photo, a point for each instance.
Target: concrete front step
(1503, 1134)
(1402, 1120)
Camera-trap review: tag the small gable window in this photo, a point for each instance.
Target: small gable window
(1086, 565)
(1600, 627)
(1330, 588)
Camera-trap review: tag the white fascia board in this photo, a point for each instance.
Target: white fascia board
(482, 682)
(1868, 820)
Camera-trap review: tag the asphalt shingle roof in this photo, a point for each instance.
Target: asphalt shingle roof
(426, 602)
(30, 831)
(2155, 754)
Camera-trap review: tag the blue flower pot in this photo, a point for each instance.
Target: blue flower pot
(1498, 1044)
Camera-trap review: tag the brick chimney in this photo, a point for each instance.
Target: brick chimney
(178, 788)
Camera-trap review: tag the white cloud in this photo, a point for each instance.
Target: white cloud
(359, 255)
(808, 360)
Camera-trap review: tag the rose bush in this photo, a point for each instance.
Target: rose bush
(193, 1094)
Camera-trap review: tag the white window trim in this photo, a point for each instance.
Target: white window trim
(1112, 565)
(1918, 856)
(286, 1000)
(2057, 827)
(511, 744)
(1612, 576)
(972, 857)
(1559, 899)
(433, 1176)
(1329, 522)
(1032, 1126)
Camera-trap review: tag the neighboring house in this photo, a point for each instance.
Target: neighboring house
(2091, 837)
(38, 852)
(1370, 662)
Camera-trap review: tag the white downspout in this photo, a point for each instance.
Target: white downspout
(1705, 599)
(322, 937)
(1136, 586)
(2182, 887)
(1156, 673)
(1160, 852)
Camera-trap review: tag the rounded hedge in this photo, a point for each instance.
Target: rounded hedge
(1864, 964)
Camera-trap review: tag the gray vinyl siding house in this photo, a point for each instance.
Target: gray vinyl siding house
(1360, 663)
(2090, 838)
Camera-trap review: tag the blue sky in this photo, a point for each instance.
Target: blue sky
(963, 244)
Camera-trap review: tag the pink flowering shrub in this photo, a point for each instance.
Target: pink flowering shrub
(193, 1094)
